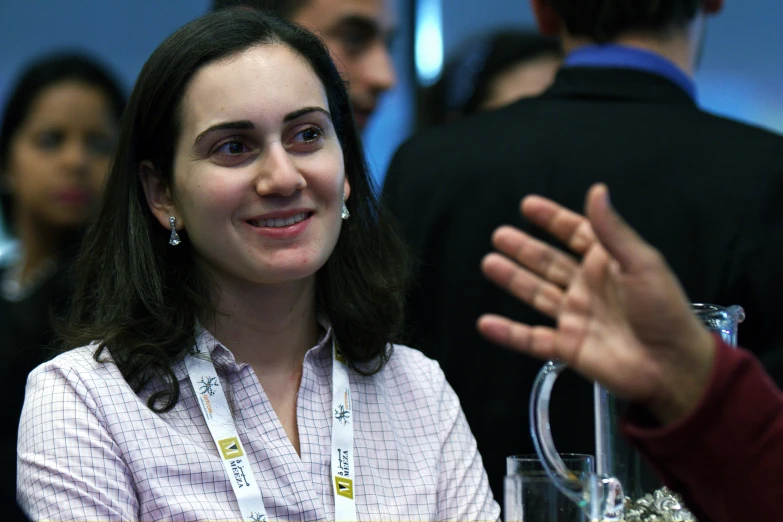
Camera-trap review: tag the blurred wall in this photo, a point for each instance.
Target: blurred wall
(124, 34)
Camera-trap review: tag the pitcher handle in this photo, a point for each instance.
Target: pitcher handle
(600, 496)
(565, 480)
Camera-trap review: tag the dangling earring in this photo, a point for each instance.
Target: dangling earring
(345, 214)
(174, 239)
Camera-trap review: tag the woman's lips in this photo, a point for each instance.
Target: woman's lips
(73, 197)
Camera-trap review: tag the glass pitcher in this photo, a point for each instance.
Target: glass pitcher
(624, 488)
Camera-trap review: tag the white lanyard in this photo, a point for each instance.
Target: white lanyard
(214, 407)
(344, 481)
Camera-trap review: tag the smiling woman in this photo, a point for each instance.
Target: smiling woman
(230, 344)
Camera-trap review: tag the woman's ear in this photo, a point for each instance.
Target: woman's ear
(158, 194)
(346, 189)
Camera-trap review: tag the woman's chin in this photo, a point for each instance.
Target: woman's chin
(283, 274)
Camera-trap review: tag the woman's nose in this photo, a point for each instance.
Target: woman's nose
(278, 173)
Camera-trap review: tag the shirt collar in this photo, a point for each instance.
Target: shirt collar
(621, 56)
(222, 356)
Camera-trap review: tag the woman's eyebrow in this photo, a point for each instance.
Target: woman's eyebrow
(234, 125)
(305, 110)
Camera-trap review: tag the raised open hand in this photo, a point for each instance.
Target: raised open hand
(622, 317)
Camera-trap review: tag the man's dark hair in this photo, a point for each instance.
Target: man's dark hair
(140, 298)
(605, 20)
(282, 8)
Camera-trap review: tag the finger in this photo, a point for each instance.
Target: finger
(537, 341)
(523, 284)
(541, 258)
(597, 267)
(569, 227)
(620, 240)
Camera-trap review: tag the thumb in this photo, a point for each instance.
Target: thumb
(620, 240)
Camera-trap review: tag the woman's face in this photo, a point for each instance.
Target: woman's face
(59, 157)
(259, 176)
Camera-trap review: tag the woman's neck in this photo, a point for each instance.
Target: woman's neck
(38, 243)
(270, 327)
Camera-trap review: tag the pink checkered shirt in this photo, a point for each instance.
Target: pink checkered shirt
(90, 449)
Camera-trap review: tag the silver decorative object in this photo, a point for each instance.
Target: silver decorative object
(661, 506)
(174, 239)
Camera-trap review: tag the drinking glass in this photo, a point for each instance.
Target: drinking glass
(530, 495)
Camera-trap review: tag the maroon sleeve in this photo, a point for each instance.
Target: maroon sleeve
(726, 457)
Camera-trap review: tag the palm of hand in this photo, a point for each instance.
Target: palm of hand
(622, 318)
(610, 323)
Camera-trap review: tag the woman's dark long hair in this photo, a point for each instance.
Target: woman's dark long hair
(139, 297)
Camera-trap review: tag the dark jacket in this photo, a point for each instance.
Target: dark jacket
(706, 191)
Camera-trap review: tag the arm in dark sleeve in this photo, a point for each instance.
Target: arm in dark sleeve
(725, 457)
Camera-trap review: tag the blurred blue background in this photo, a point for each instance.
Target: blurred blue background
(741, 74)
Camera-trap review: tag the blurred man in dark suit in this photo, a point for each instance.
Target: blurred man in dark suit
(704, 190)
(357, 33)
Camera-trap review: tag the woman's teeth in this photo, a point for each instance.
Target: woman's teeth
(279, 222)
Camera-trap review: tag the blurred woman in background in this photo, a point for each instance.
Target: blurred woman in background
(58, 130)
(492, 71)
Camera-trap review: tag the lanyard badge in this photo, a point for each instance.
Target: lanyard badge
(214, 407)
(342, 439)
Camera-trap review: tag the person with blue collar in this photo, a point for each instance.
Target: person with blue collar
(705, 191)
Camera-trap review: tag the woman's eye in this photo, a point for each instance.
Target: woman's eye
(309, 135)
(232, 148)
(49, 140)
